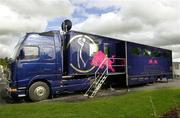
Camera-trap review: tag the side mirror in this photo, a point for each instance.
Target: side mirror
(21, 55)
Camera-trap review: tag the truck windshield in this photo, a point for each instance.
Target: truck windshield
(16, 48)
(33, 37)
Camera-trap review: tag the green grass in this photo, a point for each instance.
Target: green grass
(131, 105)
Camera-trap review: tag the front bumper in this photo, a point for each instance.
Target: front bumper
(15, 93)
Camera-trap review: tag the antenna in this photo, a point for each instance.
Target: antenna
(66, 25)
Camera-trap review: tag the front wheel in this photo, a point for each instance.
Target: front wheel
(39, 91)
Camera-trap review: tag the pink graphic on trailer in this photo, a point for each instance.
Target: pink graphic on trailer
(155, 61)
(151, 61)
(98, 59)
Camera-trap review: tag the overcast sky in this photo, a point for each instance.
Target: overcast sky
(152, 22)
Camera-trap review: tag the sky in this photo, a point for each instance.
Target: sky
(151, 22)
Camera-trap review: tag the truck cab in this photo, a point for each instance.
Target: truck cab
(37, 66)
(36, 71)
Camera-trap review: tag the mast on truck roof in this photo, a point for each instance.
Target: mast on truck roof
(66, 25)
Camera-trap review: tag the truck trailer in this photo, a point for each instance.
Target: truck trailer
(55, 62)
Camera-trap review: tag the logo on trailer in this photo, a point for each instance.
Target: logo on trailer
(86, 55)
(86, 47)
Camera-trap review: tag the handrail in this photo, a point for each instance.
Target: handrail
(100, 67)
(107, 65)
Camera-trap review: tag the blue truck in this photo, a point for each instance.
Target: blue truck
(54, 62)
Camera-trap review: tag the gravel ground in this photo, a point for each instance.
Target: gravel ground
(158, 85)
(103, 93)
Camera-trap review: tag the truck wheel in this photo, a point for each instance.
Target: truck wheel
(39, 91)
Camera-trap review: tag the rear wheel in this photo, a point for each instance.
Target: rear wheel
(39, 91)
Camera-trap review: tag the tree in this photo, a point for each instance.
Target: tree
(5, 62)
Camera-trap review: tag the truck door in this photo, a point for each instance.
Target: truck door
(35, 65)
(27, 64)
(36, 60)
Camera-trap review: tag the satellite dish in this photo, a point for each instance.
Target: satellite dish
(66, 25)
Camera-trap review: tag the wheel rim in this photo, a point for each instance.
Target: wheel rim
(40, 91)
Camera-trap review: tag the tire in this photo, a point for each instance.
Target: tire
(39, 91)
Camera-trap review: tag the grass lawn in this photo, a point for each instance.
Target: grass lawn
(131, 105)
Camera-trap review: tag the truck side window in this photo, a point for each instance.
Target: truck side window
(147, 52)
(30, 52)
(156, 53)
(136, 51)
(167, 54)
(48, 53)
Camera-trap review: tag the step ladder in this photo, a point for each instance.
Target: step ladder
(96, 85)
(102, 74)
(100, 77)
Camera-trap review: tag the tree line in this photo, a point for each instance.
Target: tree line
(4, 62)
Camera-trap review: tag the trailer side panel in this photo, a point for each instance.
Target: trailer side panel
(146, 63)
